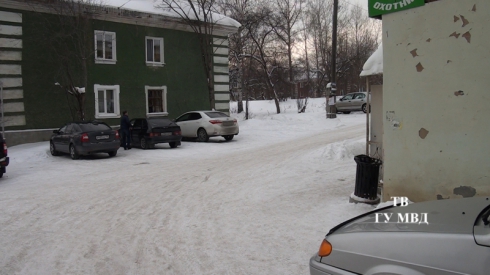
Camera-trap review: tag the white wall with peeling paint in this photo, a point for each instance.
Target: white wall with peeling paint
(437, 77)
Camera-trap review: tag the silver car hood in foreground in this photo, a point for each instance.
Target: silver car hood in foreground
(445, 245)
(446, 216)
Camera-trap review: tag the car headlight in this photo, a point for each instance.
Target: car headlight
(325, 249)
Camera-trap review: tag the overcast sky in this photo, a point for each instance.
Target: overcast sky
(363, 3)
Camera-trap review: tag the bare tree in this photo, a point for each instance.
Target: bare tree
(68, 36)
(266, 56)
(239, 10)
(317, 21)
(200, 16)
(273, 58)
(303, 102)
(357, 39)
(363, 41)
(283, 21)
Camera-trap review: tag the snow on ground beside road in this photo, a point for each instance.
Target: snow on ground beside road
(259, 204)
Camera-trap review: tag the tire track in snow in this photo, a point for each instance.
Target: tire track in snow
(201, 216)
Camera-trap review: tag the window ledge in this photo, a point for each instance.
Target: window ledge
(105, 61)
(157, 114)
(151, 64)
(107, 116)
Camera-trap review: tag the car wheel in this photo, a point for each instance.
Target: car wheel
(348, 112)
(1, 174)
(364, 108)
(112, 153)
(143, 143)
(73, 152)
(202, 135)
(229, 137)
(53, 150)
(173, 144)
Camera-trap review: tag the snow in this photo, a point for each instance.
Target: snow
(374, 64)
(359, 199)
(260, 204)
(80, 90)
(153, 7)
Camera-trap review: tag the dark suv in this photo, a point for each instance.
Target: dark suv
(4, 159)
(146, 132)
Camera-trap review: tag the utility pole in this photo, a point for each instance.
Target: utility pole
(331, 108)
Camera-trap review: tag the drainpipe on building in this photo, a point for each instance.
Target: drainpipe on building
(1, 105)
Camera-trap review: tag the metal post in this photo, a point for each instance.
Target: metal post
(368, 106)
(334, 42)
(332, 110)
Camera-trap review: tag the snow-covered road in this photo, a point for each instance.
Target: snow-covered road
(203, 208)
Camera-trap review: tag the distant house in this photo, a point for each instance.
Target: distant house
(145, 60)
(311, 86)
(303, 88)
(435, 101)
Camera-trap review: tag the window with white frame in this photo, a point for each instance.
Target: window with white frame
(156, 100)
(106, 101)
(154, 51)
(105, 47)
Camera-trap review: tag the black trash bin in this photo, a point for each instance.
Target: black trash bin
(367, 174)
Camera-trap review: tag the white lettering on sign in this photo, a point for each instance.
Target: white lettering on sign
(406, 218)
(396, 5)
(403, 201)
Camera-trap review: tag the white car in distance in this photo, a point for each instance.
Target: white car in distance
(202, 125)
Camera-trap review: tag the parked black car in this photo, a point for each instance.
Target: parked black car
(84, 138)
(4, 159)
(146, 132)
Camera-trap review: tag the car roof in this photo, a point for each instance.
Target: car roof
(86, 122)
(201, 112)
(356, 93)
(152, 117)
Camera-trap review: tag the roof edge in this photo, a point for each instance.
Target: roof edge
(121, 15)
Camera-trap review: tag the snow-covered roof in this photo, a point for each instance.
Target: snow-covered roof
(154, 7)
(374, 64)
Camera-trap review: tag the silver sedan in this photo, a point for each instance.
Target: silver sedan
(438, 237)
(352, 102)
(205, 124)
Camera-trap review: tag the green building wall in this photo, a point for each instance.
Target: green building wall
(183, 74)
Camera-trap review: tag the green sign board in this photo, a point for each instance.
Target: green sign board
(380, 7)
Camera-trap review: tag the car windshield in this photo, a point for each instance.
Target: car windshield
(348, 97)
(89, 127)
(216, 114)
(156, 122)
